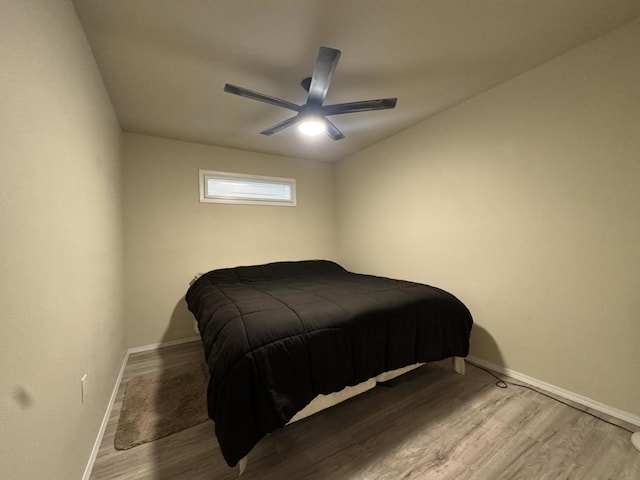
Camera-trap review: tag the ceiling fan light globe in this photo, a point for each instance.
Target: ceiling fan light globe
(312, 127)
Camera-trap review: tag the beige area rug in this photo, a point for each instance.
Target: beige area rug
(159, 404)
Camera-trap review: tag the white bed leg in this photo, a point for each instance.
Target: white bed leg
(242, 464)
(458, 365)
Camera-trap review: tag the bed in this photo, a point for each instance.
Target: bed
(278, 336)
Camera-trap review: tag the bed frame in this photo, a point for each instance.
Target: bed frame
(322, 402)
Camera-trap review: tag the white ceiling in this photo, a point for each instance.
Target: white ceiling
(165, 62)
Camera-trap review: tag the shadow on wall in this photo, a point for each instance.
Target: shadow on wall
(180, 323)
(484, 346)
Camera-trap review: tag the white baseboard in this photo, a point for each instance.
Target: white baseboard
(587, 402)
(105, 420)
(107, 414)
(155, 346)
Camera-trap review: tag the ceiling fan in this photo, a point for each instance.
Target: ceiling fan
(312, 116)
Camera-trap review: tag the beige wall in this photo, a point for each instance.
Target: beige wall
(525, 202)
(170, 236)
(60, 243)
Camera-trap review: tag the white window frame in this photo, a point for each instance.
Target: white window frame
(204, 175)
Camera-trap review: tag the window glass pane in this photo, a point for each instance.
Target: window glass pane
(249, 189)
(241, 188)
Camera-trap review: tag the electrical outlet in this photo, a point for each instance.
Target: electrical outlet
(83, 387)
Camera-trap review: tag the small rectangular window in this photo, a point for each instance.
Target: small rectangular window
(226, 187)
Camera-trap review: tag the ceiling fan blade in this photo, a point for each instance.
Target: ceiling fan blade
(363, 106)
(333, 131)
(322, 73)
(244, 92)
(280, 126)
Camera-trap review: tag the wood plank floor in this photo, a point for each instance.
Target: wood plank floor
(431, 424)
